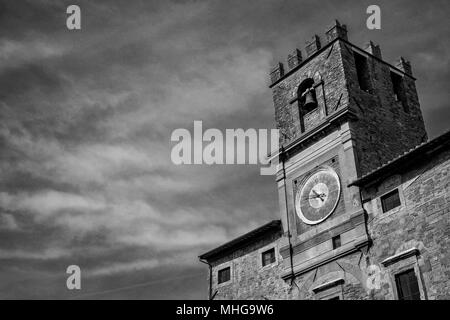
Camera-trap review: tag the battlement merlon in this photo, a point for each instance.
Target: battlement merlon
(334, 32)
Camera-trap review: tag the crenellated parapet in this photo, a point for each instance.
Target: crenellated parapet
(312, 46)
(335, 31)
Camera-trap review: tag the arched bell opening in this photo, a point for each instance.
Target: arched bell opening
(307, 100)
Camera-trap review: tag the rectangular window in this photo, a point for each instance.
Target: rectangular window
(268, 257)
(397, 87)
(362, 71)
(390, 201)
(336, 242)
(407, 285)
(224, 275)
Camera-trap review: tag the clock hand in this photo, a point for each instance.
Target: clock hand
(322, 195)
(318, 195)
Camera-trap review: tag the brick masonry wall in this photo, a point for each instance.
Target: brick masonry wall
(346, 268)
(327, 66)
(249, 280)
(383, 130)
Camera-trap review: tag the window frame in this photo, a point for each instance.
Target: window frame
(330, 290)
(397, 83)
(399, 90)
(397, 281)
(317, 88)
(221, 267)
(365, 86)
(269, 251)
(333, 297)
(403, 262)
(220, 272)
(397, 190)
(334, 240)
(264, 249)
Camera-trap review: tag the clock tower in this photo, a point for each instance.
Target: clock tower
(342, 112)
(363, 196)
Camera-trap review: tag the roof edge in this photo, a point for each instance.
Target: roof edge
(238, 242)
(428, 147)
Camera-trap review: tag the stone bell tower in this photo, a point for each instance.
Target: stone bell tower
(342, 112)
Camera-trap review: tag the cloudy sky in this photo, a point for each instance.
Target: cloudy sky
(86, 118)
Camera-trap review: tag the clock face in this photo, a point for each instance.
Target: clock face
(318, 196)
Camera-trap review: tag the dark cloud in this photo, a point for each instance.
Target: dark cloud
(86, 118)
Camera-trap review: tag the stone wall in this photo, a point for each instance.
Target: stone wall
(249, 280)
(422, 221)
(326, 69)
(384, 130)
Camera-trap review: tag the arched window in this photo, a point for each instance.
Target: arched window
(307, 100)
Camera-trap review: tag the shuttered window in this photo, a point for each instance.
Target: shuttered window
(407, 285)
(390, 201)
(224, 275)
(268, 257)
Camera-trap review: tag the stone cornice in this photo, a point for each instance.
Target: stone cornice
(400, 256)
(328, 284)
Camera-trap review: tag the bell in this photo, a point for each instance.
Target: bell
(310, 100)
